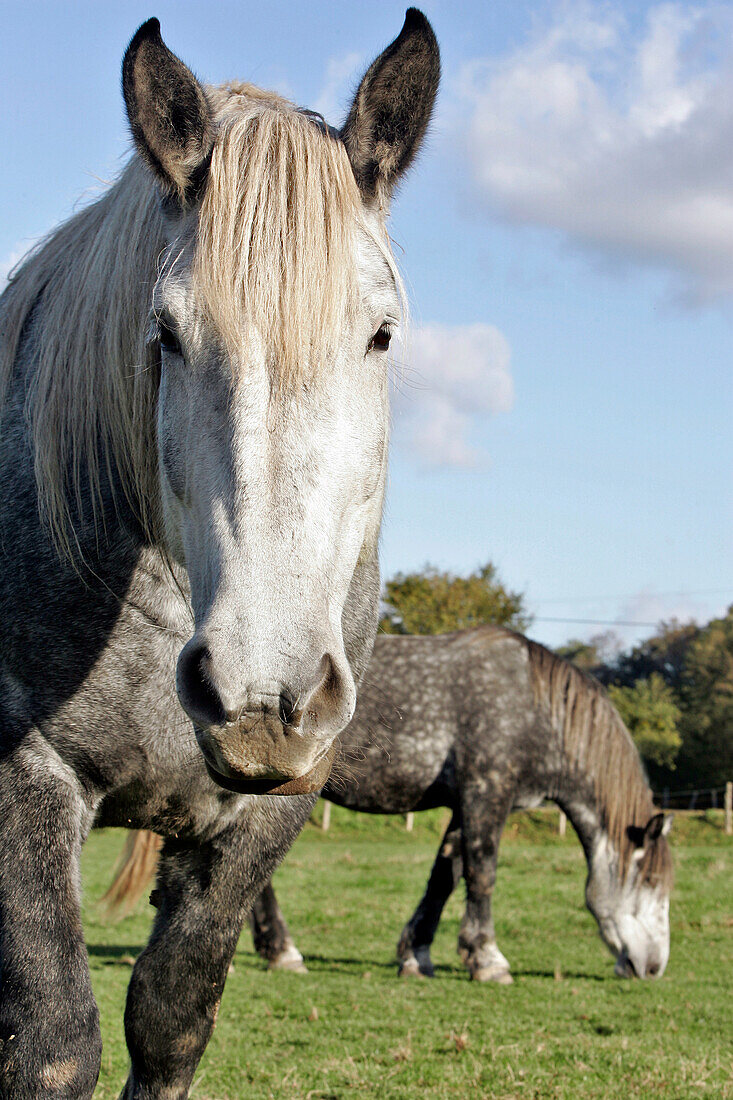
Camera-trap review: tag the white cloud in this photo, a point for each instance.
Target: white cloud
(652, 608)
(648, 606)
(449, 380)
(341, 75)
(620, 138)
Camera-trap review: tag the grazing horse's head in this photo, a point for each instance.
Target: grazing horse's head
(630, 898)
(273, 310)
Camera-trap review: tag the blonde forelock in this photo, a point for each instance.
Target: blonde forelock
(276, 238)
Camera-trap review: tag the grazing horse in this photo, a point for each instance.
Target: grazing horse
(486, 721)
(193, 435)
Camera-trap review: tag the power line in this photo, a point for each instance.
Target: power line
(633, 595)
(592, 622)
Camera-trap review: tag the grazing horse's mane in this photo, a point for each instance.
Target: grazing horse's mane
(595, 742)
(272, 251)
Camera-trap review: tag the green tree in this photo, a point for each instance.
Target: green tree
(706, 696)
(431, 602)
(663, 653)
(651, 713)
(598, 655)
(583, 654)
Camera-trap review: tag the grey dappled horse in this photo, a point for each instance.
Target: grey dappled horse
(486, 721)
(194, 439)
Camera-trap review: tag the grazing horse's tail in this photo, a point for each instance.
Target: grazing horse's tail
(135, 870)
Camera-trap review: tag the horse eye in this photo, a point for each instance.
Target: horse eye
(381, 338)
(168, 339)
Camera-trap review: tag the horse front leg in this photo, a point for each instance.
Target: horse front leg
(50, 1042)
(484, 817)
(271, 935)
(204, 892)
(413, 949)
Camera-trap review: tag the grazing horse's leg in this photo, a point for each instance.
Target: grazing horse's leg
(484, 816)
(203, 894)
(413, 949)
(271, 935)
(50, 1043)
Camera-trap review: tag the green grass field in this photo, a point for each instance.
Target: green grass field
(566, 1028)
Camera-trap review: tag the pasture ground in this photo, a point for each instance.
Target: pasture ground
(566, 1028)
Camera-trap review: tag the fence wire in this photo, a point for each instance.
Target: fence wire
(701, 798)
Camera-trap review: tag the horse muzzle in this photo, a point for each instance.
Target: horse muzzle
(261, 754)
(273, 735)
(309, 783)
(626, 967)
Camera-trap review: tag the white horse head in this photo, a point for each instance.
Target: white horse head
(631, 905)
(273, 311)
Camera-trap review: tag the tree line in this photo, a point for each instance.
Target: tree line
(674, 690)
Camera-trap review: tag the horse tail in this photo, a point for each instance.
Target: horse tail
(134, 872)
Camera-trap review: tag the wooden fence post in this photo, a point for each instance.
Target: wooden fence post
(562, 824)
(409, 821)
(729, 808)
(326, 820)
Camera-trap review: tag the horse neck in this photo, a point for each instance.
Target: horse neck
(584, 809)
(584, 815)
(575, 794)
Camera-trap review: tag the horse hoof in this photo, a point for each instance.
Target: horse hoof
(291, 960)
(492, 974)
(410, 968)
(291, 967)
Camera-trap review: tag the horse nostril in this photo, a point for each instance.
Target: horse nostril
(329, 702)
(331, 686)
(196, 691)
(652, 970)
(286, 707)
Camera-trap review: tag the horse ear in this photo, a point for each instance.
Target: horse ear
(169, 114)
(641, 838)
(392, 108)
(657, 826)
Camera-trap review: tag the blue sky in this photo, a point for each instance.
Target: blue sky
(564, 404)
